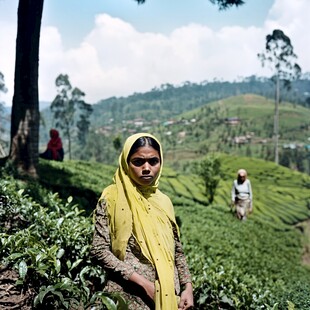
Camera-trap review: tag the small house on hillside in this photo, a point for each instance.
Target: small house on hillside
(168, 123)
(105, 130)
(241, 140)
(232, 120)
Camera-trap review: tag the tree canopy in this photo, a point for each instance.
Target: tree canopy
(67, 106)
(279, 55)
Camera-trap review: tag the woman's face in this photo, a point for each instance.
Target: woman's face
(144, 165)
(241, 177)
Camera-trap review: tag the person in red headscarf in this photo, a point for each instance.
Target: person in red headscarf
(54, 149)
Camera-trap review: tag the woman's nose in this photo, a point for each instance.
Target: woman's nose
(146, 167)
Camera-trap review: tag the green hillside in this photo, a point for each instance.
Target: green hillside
(235, 265)
(210, 124)
(243, 126)
(287, 201)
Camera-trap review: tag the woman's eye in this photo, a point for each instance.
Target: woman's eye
(138, 162)
(153, 161)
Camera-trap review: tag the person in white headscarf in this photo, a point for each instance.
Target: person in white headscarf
(241, 195)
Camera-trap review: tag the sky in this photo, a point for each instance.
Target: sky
(117, 47)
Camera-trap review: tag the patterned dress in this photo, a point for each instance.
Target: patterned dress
(118, 272)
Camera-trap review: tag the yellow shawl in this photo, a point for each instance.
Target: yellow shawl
(147, 214)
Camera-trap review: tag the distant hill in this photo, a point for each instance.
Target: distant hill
(168, 101)
(238, 125)
(193, 119)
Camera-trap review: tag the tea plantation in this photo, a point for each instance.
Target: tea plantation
(47, 225)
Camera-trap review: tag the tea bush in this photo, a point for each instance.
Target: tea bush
(255, 264)
(50, 248)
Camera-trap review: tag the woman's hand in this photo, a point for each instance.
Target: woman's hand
(148, 286)
(187, 298)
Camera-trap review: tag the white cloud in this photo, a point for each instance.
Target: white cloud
(115, 59)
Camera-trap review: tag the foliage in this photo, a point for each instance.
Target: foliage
(83, 180)
(168, 101)
(224, 4)
(251, 265)
(209, 169)
(69, 102)
(49, 246)
(83, 123)
(2, 83)
(204, 127)
(281, 57)
(287, 201)
(240, 266)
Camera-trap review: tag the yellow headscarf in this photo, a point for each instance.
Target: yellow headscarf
(148, 215)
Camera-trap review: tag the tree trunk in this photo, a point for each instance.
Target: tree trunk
(276, 122)
(25, 109)
(69, 144)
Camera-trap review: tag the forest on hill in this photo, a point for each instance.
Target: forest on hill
(262, 263)
(168, 101)
(193, 119)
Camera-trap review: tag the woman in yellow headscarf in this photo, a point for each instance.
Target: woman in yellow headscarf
(136, 236)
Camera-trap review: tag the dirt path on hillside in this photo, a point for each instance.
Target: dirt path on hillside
(305, 228)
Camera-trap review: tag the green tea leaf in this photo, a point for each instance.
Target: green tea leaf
(22, 269)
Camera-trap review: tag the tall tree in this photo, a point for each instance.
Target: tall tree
(2, 83)
(24, 151)
(209, 169)
(67, 106)
(83, 123)
(25, 109)
(3, 89)
(279, 55)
